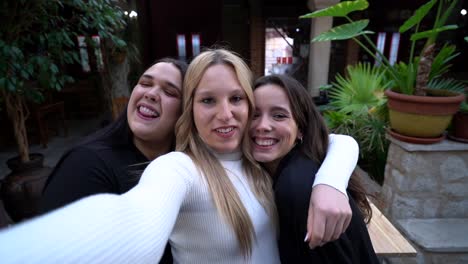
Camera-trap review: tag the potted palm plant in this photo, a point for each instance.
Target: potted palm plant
(426, 121)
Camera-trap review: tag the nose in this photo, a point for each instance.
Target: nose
(224, 111)
(153, 94)
(262, 124)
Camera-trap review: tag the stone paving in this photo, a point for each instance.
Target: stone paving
(57, 145)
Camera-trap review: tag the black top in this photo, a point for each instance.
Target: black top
(95, 168)
(293, 187)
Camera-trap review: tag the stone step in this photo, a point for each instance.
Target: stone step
(437, 235)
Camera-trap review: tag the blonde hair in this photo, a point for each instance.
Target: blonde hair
(224, 194)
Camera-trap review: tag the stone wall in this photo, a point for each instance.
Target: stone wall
(425, 194)
(426, 181)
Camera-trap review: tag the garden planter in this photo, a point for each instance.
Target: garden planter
(21, 189)
(424, 117)
(460, 127)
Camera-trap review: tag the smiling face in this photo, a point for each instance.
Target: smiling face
(154, 105)
(220, 109)
(273, 131)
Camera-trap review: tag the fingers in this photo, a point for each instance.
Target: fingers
(316, 229)
(339, 229)
(329, 215)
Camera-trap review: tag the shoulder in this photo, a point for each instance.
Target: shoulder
(84, 155)
(297, 163)
(173, 164)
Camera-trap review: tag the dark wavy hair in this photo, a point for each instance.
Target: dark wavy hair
(117, 133)
(315, 132)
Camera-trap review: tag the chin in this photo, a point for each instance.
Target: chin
(262, 158)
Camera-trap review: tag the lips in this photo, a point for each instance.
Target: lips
(225, 132)
(147, 112)
(264, 143)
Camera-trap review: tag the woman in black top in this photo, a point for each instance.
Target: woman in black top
(102, 162)
(290, 139)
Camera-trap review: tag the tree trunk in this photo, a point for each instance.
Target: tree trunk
(424, 70)
(18, 113)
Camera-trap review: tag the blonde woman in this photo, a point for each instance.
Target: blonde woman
(209, 199)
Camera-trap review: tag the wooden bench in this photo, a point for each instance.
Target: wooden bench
(386, 239)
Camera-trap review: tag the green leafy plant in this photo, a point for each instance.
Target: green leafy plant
(357, 108)
(361, 90)
(417, 71)
(464, 107)
(37, 40)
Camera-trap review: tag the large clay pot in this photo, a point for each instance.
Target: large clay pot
(425, 117)
(460, 127)
(21, 189)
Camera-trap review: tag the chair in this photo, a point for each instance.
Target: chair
(118, 105)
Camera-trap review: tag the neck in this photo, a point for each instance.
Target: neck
(152, 150)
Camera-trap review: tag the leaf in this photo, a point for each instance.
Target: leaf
(466, 39)
(345, 31)
(53, 68)
(339, 10)
(419, 14)
(441, 63)
(429, 33)
(446, 84)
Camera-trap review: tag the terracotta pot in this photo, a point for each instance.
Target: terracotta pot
(460, 127)
(22, 189)
(422, 116)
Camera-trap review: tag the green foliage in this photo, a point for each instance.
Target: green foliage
(446, 84)
(464, 107)
(346, 31)
(429, 33)
(441, 64)
(417, 17)
(361, 90)
(403, 81)
(369, 131)
(341, 9)
(357, 108)
(37, 39)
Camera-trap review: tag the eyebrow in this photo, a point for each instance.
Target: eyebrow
(211, 92)
(279, 108)
(165, 81)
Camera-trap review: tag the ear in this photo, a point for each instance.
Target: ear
(299, 135)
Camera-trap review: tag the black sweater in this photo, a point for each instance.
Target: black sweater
(293, 187)
(94, 168)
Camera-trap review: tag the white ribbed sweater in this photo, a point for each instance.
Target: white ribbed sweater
(171, 202)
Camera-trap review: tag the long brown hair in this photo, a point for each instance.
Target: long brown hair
(224, 194)
(315, 132)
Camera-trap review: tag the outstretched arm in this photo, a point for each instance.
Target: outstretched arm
(129, 228)
(329, 209)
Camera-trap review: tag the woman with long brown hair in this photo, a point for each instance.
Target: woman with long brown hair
(290, 139)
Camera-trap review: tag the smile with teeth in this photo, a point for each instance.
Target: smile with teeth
(147, 112)
(265, 142)
(224, 130)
